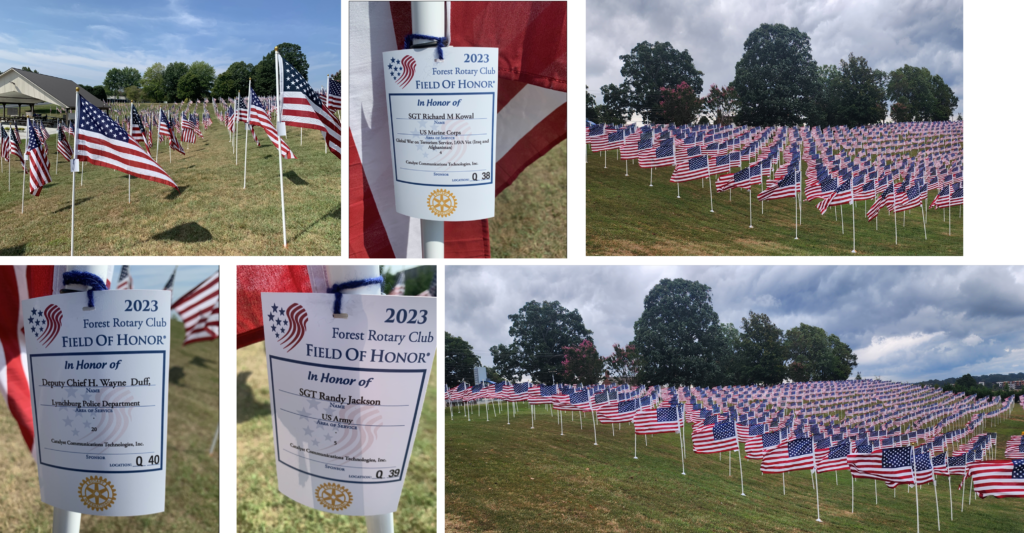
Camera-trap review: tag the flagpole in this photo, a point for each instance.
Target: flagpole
(280, 164)
(737, 435)
(131, 127)
(75, 166)
(817, 500)
(245, 159)
(234, 118)
(23, 164)
(428, 18)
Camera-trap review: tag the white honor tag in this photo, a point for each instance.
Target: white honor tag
(442, 118)
(99, 399)
(346, 395)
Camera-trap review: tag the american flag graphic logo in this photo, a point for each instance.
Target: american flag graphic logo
(402, 71)
(45, 325)
(288, 325)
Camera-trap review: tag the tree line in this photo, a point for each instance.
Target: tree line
(678, 339)
(777, 82)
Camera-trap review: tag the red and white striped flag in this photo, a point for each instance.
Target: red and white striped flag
(102, 142)
(199, 310)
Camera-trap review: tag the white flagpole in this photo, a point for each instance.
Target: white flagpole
(160, 114)
(737, 435)
(328, 106)
(75, 164)
(131, 126)
(817, 500)
(24, 163)
(913, 465)
(280, 164)
(853, 214)
(238, 98)
(428, 18)
(245, 159)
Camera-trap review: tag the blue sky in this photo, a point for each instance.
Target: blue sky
(81, 41)
(155, 277)
(905, 323)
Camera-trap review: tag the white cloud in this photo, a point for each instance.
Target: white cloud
(109, 31)
(885, 347)
(7, 39)
(973, 340)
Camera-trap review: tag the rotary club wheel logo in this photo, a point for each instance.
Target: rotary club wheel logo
(333, 496)
(442, 202)
(97, 493)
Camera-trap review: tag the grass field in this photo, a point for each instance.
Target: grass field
(511, 478)
(530, 215)
(210, 214)
(192, 497)
(625, 216)
(261, 507)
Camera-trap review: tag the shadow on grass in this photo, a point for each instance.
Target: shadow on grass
(199, 361)
(175, 374)
(333, 214)
(294, 178)
(77, 203)
(174, 194)
(13, 250)
(248, 407)
(187, 232)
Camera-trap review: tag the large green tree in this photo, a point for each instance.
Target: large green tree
(678, 335)
(118, 79)
(459, 360)
(862, 95)
(540, 331)
(721, 103)
(827, 106)
(650, 67)
(916, 95)
(263, 73)
(233, 81)
(172, 74)
(730, 361)
(815, 355)
(506, 362)
(616, 104)
(679, 105)
(153, 83)
(197, 82)
(761, 351)
(776, 78)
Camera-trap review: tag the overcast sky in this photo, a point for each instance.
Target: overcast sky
(888, 33)
(904, 323)
(81, 41)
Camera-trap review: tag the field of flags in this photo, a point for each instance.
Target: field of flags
(129, 138)
(893, 433)
(891, 166)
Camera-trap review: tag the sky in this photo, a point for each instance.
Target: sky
(155, 277)
(910, 323)
(81, 41)
(887, 33)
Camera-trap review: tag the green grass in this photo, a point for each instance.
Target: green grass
(530, 215)
(511, 478)
(209, 215)
(261, 507)
(192, 497)
(625, 216)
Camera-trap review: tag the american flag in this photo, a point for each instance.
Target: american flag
(124, 280)
(923, 472)
(787, 187)
(797, 454)
(693, 169)
(334, 94)
(731, 181)
(889, 465)
(721, 164)
(958, 463)
(167, 130)
(4, 143)
(718, 438)
(841, 196)
(138, 129)
(301, 107)
(1002, 479)
(884, 200)
(199, 310)
(102, 142)
(939, 465)
(660, 420)
(624, 411)
(15, 144)
(188, 132)
(520, 392)
(258, 116)
(544, 395)
(910, 199)
(834, 458)
(39, 166)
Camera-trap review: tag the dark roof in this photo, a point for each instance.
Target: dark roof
(61, 89)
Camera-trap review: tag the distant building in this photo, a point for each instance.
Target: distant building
(1012, 385)
(22, 88)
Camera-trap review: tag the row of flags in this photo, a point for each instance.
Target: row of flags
(199, 310)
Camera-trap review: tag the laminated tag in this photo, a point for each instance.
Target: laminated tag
(442, 118)
(346, 395)
(99, 399)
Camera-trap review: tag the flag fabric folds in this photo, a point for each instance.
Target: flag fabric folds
(199, 310)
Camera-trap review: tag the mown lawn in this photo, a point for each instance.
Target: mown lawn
(626, 216)
(501, 477)
(193, 491)
(209, 214)
(530, 215)
(261, 507)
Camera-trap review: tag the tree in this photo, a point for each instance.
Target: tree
(26, 69)
(134, 94)
(153, 83)
(506, 363)
(623, 364)
(858, 378)
(862, 92)
(816, 355)
(172, 74)
(233, 81)
(492, 374)
(459, 360)
(678, 335)
(97, 90)
(263, 74)
(591, 107)
(540, 332)
(826, 109)
(918, 95)
(649, 67)
(582, 364)
(945, 100)
(616, 103)
(776, 78)
(118, 79)
(336, 76)
(678, 105)
(721, 104)
(197, 82)
(730, 361)
(761, 350)
(966, 381)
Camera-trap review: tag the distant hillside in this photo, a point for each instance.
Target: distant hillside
(988, 379)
